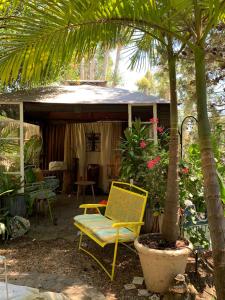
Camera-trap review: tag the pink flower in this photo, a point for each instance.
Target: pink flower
(160, 129)
(150, 164)
(154, 120)
(185, 170)
(153, 162)
(157, 159)
(143, 144)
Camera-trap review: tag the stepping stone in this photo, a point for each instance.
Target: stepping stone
(138, 280)
(154, 297)
(143, 293)
(129, 286)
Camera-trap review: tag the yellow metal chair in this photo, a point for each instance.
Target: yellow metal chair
(121, 223)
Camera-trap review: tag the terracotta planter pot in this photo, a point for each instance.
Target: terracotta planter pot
(161, 266)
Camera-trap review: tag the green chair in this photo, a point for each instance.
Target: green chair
(38, 191)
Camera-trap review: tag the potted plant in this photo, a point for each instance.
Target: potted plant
(14, 201)
(147, 165)
(161, 261)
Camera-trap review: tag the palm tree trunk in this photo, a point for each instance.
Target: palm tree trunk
(92, 69)
(170, 221)
(82, 71)
(105, 64)
(116, 69)
(211, 186)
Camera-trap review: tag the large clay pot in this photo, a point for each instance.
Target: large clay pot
(161, 266)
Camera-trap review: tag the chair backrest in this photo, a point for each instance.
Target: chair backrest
(29, 175)
(126, 202)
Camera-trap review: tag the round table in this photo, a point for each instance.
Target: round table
(83, 184)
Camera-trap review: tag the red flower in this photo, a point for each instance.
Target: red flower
(185, 170)
(143, 144)
(103, 202)
(154, 120)
(153, 162)
(160, 129)
(150, 164)
(157, 159)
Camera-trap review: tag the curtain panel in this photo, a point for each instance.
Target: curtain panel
(53, 143)
(75, 146)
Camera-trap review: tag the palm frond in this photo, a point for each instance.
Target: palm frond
(40, 40)
(37, 45)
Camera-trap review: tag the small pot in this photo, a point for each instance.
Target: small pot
(161, 266)
(16, 205)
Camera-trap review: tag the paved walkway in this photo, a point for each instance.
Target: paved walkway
(73, 289)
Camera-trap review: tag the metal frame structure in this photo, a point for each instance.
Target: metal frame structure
(154, 106)
(20, 138)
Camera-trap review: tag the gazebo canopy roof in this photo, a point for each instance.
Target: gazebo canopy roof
(81, 94)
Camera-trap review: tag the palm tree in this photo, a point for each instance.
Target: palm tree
(36, 50)
(203, 21)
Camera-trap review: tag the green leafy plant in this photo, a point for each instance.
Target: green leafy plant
(9, 184)
(32, 150)
(195, 227)
(4, 218)
(191, 187)
(191, 179)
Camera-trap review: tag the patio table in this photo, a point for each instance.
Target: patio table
(83, 184)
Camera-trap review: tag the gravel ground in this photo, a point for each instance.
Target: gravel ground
(49, 249)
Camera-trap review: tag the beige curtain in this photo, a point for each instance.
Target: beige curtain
(106, 152)
(75, 146)
(116, 153)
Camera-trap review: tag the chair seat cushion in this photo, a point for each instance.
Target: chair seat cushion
(42, 194)
(101, 227)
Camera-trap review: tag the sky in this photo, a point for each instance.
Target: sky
(129, 78)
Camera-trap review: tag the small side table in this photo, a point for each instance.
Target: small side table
(84, 184)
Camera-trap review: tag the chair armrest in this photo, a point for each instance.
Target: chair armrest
(124, 224)
(92, 205)
(37, 183)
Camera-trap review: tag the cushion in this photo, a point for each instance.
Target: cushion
(102, 228)
(57, 166)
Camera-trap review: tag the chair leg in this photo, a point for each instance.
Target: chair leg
(93, 192)
(50, 210)
(37, 209)
(78, 192)
(114, 260)
(80, 240)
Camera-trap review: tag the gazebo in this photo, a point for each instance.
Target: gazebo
(81, 120)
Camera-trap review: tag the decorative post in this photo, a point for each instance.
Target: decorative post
(21, 144)
(155, 136)
(129, 116)
(181, 133)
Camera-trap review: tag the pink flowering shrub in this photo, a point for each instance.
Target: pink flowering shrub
(145, 162)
